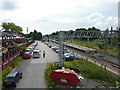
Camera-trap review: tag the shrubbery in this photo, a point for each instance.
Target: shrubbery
(23, 50)
(6, 71)
(89, 71)
(92, 71)
(16, 62)
(50, 68)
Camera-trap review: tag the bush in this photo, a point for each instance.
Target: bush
(23, 50)
(6, 72)
(16, 62)
(13, 64)
(92, 71)
(89, 71)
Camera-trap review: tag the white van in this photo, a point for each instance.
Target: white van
(36, 53)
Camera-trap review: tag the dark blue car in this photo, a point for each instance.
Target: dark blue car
(12, 79)
(70, 57)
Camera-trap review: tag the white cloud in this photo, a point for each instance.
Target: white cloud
(52, 15)
(107, 22)
(94, 17)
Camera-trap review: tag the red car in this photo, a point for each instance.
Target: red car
(55, 48)
(27, 55)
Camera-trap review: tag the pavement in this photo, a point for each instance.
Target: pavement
(33, 69)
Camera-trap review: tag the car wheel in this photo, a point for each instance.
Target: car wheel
(15, 85)
(21, 77)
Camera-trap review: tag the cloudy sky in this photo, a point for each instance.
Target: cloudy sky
(48, 16)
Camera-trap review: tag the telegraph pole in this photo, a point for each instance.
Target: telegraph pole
(27, 30)
(118, 34)
(61, 43)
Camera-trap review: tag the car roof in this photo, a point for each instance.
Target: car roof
(36, 50)
(67, 53)
(27, 53)
(12, 74)
(28, 49)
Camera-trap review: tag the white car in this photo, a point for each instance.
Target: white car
(30, 48)
(36, 53)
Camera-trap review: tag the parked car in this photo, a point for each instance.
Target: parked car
(64, 51)
(29, 50)
(50, 45)
(70, 57)
(55, 48)
(46, 43)
(1, 48)
(26, 55)
(36, 53)
(33, 46)
(36, 43)
(12, 79)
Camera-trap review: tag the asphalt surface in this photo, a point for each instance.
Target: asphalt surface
(33, 69)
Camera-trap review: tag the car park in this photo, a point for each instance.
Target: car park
(26, 55)
(12, 79)
(36, 53)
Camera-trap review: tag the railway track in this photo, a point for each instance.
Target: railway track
(102, 62)
(96, 59)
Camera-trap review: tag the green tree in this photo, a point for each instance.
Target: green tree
(93, 29)
(35, 35)
(81, 29)
(11, 27)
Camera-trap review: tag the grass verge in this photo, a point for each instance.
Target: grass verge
(48, 80)
(94, 45)
(16, 62)
(89, 71)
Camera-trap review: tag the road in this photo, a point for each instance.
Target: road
(33, 69)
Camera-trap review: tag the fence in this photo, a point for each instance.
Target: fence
(10, 55)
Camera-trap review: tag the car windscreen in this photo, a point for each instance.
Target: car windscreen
(35, 52)
(27, 50)
(26, 54)
(9, 79)
(69, 54)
